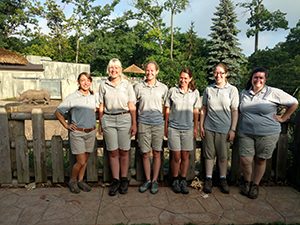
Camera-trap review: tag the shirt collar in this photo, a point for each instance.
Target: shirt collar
(225, 86)
(262, 91)
(147, 85)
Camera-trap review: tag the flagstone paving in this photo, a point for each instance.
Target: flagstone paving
(57, 206)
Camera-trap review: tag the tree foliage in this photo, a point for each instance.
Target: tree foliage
(262, 19)
(224, 46)
(175, 7)
(90, 34)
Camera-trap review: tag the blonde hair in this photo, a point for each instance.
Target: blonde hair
(114, 62)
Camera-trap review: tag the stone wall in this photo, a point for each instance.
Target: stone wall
(14, 82)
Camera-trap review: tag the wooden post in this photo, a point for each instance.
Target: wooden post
(140, 174)
(91, 172)
(5, 160)
(39, 146)
(57, 159)
(22, 159)
(296, 153)
(191, 170)
(281, 154)
(235, 162)
(106, 168)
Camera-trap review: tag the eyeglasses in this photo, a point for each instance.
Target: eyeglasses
(219, 73)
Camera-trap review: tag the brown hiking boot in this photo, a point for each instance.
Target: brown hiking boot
(224, 186)
(207, 186)
(253, 192)
(244, 188)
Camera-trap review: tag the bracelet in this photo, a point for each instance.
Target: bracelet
(233, 130)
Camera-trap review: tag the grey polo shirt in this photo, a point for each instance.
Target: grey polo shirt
(219, 102)
(116, 98)
(150, 102)
(81, 108)
(181, 107)
(257, 111)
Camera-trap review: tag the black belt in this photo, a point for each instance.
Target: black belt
(115, 114)
(86, 130)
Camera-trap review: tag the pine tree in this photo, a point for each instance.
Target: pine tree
(224, 46)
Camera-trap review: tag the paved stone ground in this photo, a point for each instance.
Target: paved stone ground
(57, 206)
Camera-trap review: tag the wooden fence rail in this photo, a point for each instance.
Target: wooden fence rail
(39, 160)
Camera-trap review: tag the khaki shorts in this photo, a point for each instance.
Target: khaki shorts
(81, 142)
(150, 137)
(259, 146)
(116, 131)
(180, 140)
(215, 144)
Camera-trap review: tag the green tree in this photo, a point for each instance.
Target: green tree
(86, 17)
(58, 25)
(175, 7)
(150, 13)
(224, 46)
(292, 44)
(262, 19)
(19, 18)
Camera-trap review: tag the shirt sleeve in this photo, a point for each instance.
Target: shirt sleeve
(204, 97)
(101, 93)
(280, 97)
(65, 106)
(198, 103)
(168, 98)
(234, 98)
(131, 94)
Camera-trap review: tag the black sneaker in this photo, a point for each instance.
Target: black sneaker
(224, 186)
(183, 187)
(73, 186)
(123, 189)
(114, 187)
(176, 186)
(253, 191)
(207, 186)
(245, 187)
(84, 186)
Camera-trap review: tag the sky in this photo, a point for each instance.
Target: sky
(202, 11)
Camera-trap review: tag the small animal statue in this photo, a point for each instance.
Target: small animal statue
(33, 96)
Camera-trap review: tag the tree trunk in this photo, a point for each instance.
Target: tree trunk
(77, 49)
(172, 36)
(256, 42)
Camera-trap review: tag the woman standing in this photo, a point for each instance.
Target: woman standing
(259, 127)
(182, 113)
(117, 114)
(218, 121)
(81, 105)
(151, 95)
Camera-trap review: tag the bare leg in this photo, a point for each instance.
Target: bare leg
(185, 161)
(114, 163)
(77, 167)
(156, 164)
(83, 168)
(175, 163)
(124, 162)
(246, 167)
(146, 164)
(259, 169)
(209, 165)
(223, 167)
